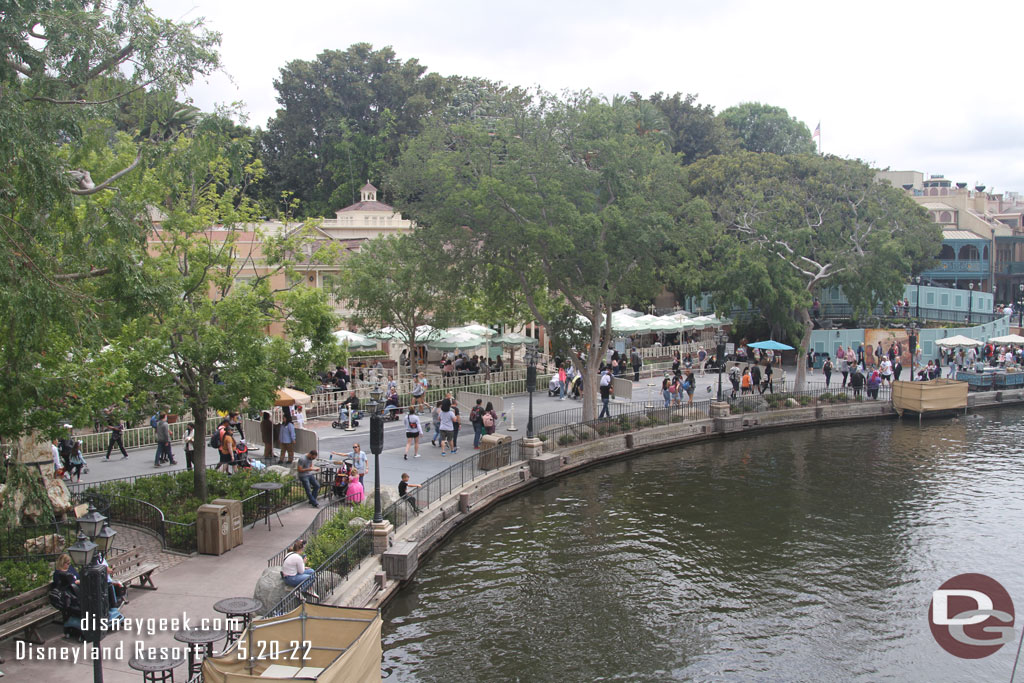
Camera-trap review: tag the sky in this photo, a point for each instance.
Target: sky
(924, 86)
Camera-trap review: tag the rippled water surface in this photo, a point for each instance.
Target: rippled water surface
(804, 555)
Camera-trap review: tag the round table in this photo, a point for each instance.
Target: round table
(156, 670)
(267, 507)
(238, 608)
(200, 642)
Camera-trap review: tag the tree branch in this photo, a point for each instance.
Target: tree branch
(95, 272)
(105, 183)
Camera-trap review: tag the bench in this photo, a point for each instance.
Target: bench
(131, 565)
(26, 612)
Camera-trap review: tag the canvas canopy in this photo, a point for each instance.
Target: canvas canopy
(958, 340)
(289, 397)
(344, 645)
(354, 339)
(1008, 339)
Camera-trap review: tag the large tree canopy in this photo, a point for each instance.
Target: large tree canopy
(342, 120)
(570, 195)
(793, 225)
(764, 128)
(71, 239)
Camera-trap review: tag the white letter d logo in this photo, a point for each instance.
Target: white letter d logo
(940, 607)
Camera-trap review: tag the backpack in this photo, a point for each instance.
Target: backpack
(215, 439)
(153, 421)
(474, 415)
(488, 420)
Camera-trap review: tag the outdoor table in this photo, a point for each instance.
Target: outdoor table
(328, 468)
(237, 608)
(267, 507)
(156, 670)
(200, 642)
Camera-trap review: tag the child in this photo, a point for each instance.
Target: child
(403, 492)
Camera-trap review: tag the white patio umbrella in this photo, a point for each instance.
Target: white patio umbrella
(384, 333)
(459, 340)
(1008, 339)
(355, 340)
(958, 340)
(513, 339)
(478, 330)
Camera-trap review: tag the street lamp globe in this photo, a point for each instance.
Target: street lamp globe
(82, 551)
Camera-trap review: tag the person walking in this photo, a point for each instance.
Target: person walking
(606, 390)
(856, 381)
(767, 383)
(307, 477)
(826, 368)
(456, 426)
(235, 420)
(226, 449)
(446, 427)
(689, 385)
(745, 386)
(287, 439)
(412, 434)
(489, 418)
(476, 421)
(163, 442)
(702, 359)
(190, 446)
(734, 379)
(563, 382)
(844, 367)
(267, 434)
(636, 362)
(755, 377)
(115, 427)
(75, 461)
(666, 393)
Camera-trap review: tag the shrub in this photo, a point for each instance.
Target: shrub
(332, 535)
(566, 439)
(21, 576)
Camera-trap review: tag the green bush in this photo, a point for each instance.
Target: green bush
(21, 576)
(334, 534)
(566, 439)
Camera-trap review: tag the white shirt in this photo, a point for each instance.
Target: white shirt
(55, 452)
(886, 368)
(293, 564)
(299, 418)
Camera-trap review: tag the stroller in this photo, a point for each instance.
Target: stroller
(554, 386)
(340, 486)
(242, 460)
(575, 386)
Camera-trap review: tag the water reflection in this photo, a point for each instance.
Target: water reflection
(800, 555)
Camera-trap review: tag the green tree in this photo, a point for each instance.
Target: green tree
(71, 241)
(764, 128)
(696, 131)
(793, 225)
(342, 120)
(404, 283)
(564, 193)
(215, 288)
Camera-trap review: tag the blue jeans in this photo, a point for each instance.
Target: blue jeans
(561, 389)
(302, 579)
(163, 449)
(604, 409)
(667, 395)
(312, 486)
(478, 432)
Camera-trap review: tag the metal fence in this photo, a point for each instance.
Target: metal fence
(624, 422)
(783, 400)
(13, 539)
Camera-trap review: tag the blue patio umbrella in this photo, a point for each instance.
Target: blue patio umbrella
(772, 345)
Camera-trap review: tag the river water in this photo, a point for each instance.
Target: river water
(801, 555)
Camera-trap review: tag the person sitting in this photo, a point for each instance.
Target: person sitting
(294, 571)
(391, 406)
(350, 404)
(64, 595)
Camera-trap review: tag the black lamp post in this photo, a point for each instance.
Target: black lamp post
(917, 306)
(95, 591)
(1020, 307)
(970, 303)
(531, 386)
(720, 339)
(912, 332)
(376, 446)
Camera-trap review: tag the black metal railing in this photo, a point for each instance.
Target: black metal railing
(13, 540)
(784, 400)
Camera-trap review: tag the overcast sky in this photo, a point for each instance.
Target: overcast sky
(926, 86)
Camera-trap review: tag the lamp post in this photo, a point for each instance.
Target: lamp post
(376, 446)
(970, 303)
(95, 592)
(720, 339)
(917, 305)
(531, 386)
(912, 332)
(1020, 307)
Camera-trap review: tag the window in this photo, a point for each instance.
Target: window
(969, 252)
(958, 302)
(930, 298)
(947, 253)
(945, 217)
(945, 300)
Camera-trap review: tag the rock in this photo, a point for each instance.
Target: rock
(59, 496)
(359, 522)
(388, 496)
(50, 544)
(271, 588)
(792, 403)
(280, 470)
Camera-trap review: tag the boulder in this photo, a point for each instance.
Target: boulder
(792, 403)
(271, 588)
(280, 470)
(50, 544)
(60, 497)
(388, 496)
(359, 522)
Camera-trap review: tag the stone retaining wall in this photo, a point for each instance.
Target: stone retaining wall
(369, 587)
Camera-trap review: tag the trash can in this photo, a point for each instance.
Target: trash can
(213, 528)
(235, 517)
(495, 451)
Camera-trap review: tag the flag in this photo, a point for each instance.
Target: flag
(817, 131)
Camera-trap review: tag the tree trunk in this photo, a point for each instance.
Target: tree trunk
(805, 344)
(199, 472)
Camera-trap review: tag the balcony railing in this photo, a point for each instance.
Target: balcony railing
(948, 266)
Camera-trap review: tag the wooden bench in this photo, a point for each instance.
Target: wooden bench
(26, 612)
(131, 565)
